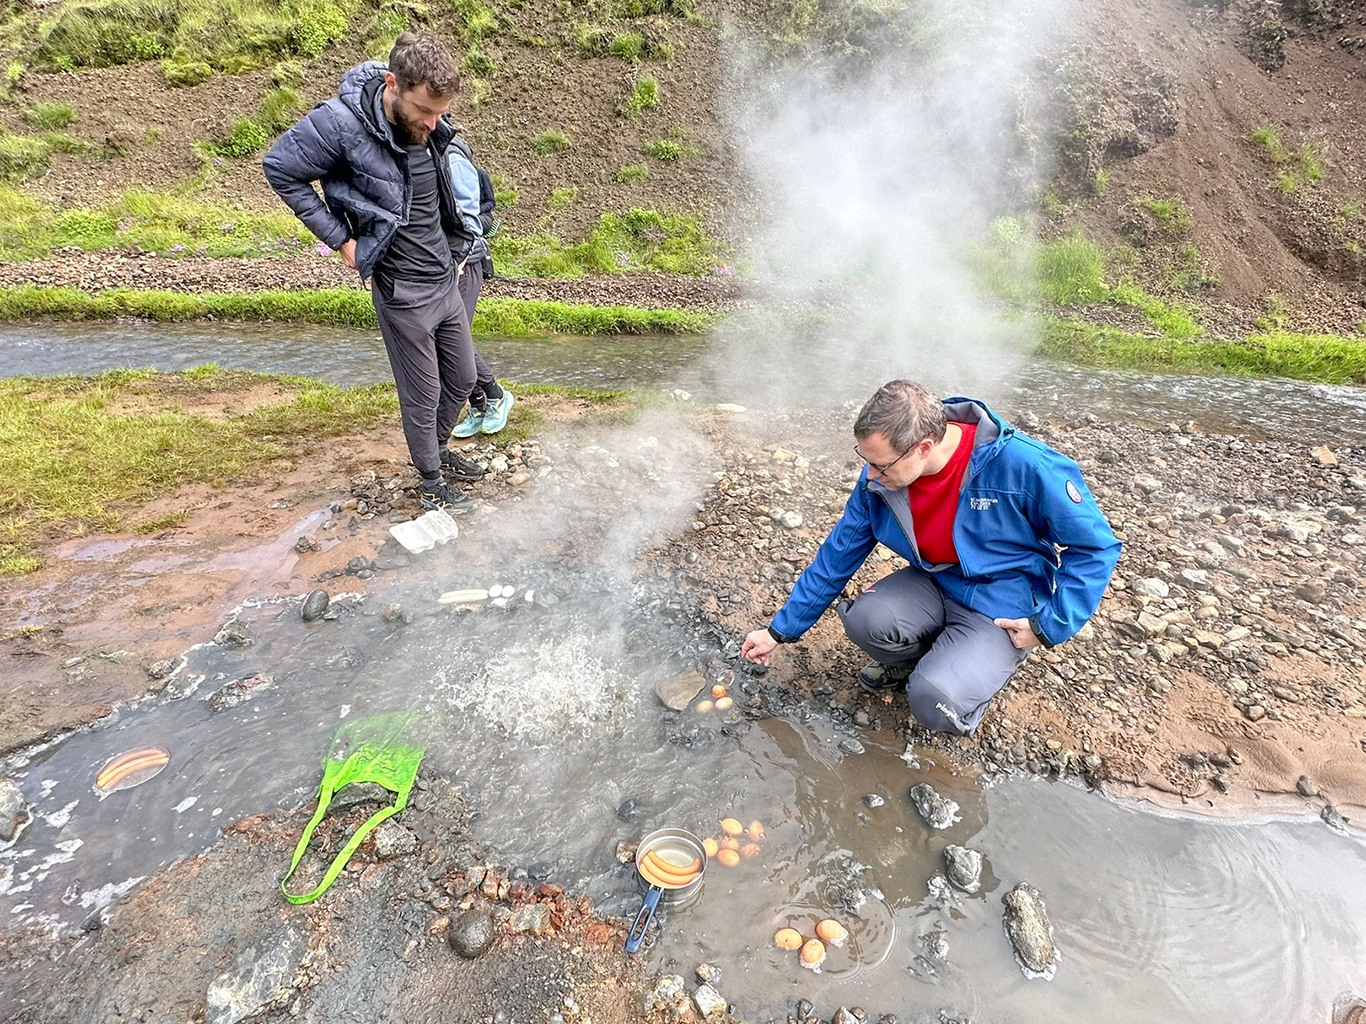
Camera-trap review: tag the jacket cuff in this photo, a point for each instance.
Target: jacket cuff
(1038, 631)
(780, 638)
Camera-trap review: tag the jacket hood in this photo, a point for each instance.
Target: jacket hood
(359, 91)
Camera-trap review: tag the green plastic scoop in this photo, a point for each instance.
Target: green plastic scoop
(367, 750)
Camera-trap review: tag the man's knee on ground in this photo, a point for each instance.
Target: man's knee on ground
(933, 709)
(870, 618)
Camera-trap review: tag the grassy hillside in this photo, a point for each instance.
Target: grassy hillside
(1212, 158)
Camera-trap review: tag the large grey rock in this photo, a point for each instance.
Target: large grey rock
(239, 691)
(964, 867)
(938, 811)
(12, 809)
(709, 1002)
(471, 934)
(393, 840)
(1027, 926)
(677, 692)
(533, 918)
(257, 982)
(1151, 586)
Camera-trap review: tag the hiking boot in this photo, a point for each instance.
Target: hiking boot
(882, 677)
(471, 424)
(496, 414)
(460, 468)
(439, 494)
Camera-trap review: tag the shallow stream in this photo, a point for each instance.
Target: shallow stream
(547, 716)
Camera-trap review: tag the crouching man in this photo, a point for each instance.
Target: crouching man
(1008, 551)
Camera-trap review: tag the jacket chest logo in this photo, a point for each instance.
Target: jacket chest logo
(982, 504)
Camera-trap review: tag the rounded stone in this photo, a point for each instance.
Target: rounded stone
(471, 934)
(315, 605)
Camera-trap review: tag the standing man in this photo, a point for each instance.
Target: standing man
(379, 150)
(1007, 549)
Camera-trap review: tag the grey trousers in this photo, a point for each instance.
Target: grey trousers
(427, 335)
(470, 284)
(959, 658)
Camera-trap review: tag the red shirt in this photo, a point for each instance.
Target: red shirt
(934, 502)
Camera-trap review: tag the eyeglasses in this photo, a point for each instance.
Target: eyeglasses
(883, 469)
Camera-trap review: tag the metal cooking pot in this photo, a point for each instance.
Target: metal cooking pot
(680, 851)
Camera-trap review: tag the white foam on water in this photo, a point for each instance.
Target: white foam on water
(541, 693)
(185, 804)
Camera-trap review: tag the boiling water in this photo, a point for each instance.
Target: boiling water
(1158, 917)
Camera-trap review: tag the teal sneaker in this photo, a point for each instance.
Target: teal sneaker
(496, 414)
(470, 425)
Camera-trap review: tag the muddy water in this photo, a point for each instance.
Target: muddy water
(1253, 408)
(547, 716)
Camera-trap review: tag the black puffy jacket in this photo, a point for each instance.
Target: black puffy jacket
(347, 144)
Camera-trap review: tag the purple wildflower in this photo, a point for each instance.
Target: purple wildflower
(323, 250)
(724, 270)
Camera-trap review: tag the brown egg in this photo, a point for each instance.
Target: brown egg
(756, 829)
(832, 931)
(731, 826)
(703, 706)
(728, 857)
(718, 690)
(813, 952)
(749, 849)
(787, 938)
(710, 845)
(723, 703)
(729, 843)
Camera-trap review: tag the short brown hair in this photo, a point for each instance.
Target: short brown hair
(903, 412)
(420, 58)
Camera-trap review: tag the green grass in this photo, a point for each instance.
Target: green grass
(1310, 159)
(1287, 182)
(561, 198)
(150, 221)
(631, 172)
(1071, 269)
(644, 95)
(344, 307)
(1267, 137)
(669, 150)
(23, 157)
(228, 35)
(1171, 214)
(550, 142)
(76, 461)
(1328, 359)
(639, 239)
(50, 115)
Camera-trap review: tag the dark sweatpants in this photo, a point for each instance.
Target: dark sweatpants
(470, 284)
(427, 335)
(961, 659)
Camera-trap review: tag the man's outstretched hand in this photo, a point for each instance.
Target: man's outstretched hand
(1020, 634)
(758, 646)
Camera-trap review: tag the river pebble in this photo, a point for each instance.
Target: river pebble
(964, 867)
(393, 840)
(471, 934)
(678, 691)
(1029, 930)
(239, 691)
(709, 1002)
(938, 811)
(315, 605)
(13, 809)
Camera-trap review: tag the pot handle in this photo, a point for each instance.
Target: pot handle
(636, 935)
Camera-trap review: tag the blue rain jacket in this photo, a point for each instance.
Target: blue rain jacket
(1031, 541)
